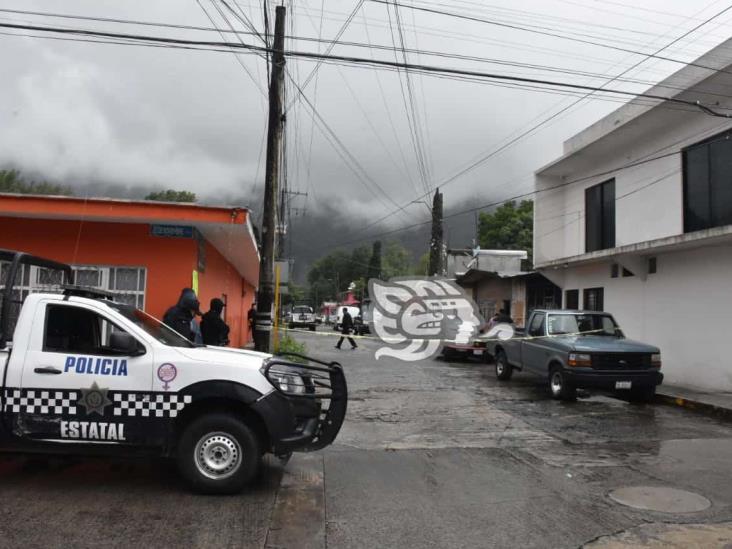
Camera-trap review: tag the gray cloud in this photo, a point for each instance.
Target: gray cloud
(120, 120)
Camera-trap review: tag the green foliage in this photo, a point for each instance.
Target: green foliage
(296, 294)
(423, 265)
(330, 276)
(11, 181)
(171, 195)
(288, 344)
(508, 227)
(397, 261)
(374, 270)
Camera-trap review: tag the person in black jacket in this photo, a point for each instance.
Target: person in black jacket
(346, 327)
(180, 315)
(213, 328)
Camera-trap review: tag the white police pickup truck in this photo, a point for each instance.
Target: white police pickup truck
(84, 374)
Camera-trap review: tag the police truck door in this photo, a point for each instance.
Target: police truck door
(72, 369)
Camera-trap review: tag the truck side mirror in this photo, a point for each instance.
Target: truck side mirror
(124, 344)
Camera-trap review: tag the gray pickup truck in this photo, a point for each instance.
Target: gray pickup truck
(579, 349)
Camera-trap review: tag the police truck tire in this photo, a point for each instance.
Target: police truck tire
(218, 454)
(312, 327)
(503, 368)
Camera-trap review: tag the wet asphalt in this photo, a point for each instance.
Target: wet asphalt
(432, 454)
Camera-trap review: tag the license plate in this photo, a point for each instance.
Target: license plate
(623, 384)
(478, 352)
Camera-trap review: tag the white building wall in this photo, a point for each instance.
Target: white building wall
(684, 309)
(648, 196)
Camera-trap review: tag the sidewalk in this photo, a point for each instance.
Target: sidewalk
(718, 403)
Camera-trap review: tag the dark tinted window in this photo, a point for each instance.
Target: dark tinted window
(720, 183)
(76, 330)
(708, 184)
(571, 299)
(537, 325)
(600, 216)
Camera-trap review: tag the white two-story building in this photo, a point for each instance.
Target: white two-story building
(636, 219)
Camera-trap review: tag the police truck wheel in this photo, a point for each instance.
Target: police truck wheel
(218, 454)
(503, 369)
(312, 327)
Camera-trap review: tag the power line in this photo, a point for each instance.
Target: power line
(418, 140)
(254, 32)
(547, 189)
(427, 69)
(546, 33)
(331, 46)
(552, 117)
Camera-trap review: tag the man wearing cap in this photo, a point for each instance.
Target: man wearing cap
(213, 328)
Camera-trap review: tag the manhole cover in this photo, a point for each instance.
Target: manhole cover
(660, 498)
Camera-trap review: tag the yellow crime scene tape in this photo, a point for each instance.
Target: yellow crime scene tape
(334, 333)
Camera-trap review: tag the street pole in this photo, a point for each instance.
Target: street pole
(265, 295)
(435, 268)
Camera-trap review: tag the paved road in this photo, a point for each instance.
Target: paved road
(433, 454)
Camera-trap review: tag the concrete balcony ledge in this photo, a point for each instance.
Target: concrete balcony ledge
(708, 237)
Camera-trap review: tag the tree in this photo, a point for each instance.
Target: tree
(397, 261)
(423, 265)
(435, 266)
(374, 270)
(330, 276)
(11, 181)
(508, 227)
(171, 195)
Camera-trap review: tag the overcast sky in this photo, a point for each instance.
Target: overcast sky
(133, 117)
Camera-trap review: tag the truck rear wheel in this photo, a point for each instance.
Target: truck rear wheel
(218, 454)
(561, 389)
(503, 368)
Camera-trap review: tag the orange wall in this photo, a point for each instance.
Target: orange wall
(221, 278)
(169, 261)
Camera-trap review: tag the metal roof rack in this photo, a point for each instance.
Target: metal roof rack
(86, 291)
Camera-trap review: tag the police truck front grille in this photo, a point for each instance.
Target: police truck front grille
(309, 379)
(621, 361)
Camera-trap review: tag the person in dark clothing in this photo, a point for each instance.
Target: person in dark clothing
(180, 315)
(346, 327)
(252, 317)
(213, 328)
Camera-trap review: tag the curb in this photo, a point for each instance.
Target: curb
(695, 405)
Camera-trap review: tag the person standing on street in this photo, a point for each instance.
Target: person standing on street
(346, 327)
(180, 316)
(213, 328)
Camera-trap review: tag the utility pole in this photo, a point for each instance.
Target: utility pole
(435, 268)
(265, 295)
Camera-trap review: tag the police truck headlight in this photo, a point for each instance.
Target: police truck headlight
(287, 382)
(656, 360)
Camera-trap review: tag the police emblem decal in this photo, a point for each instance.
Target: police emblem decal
(167, 373)
(94, 399)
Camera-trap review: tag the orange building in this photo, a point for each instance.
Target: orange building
(143, 252)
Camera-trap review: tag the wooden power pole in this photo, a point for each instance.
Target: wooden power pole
(435, 268)
(265, 295)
